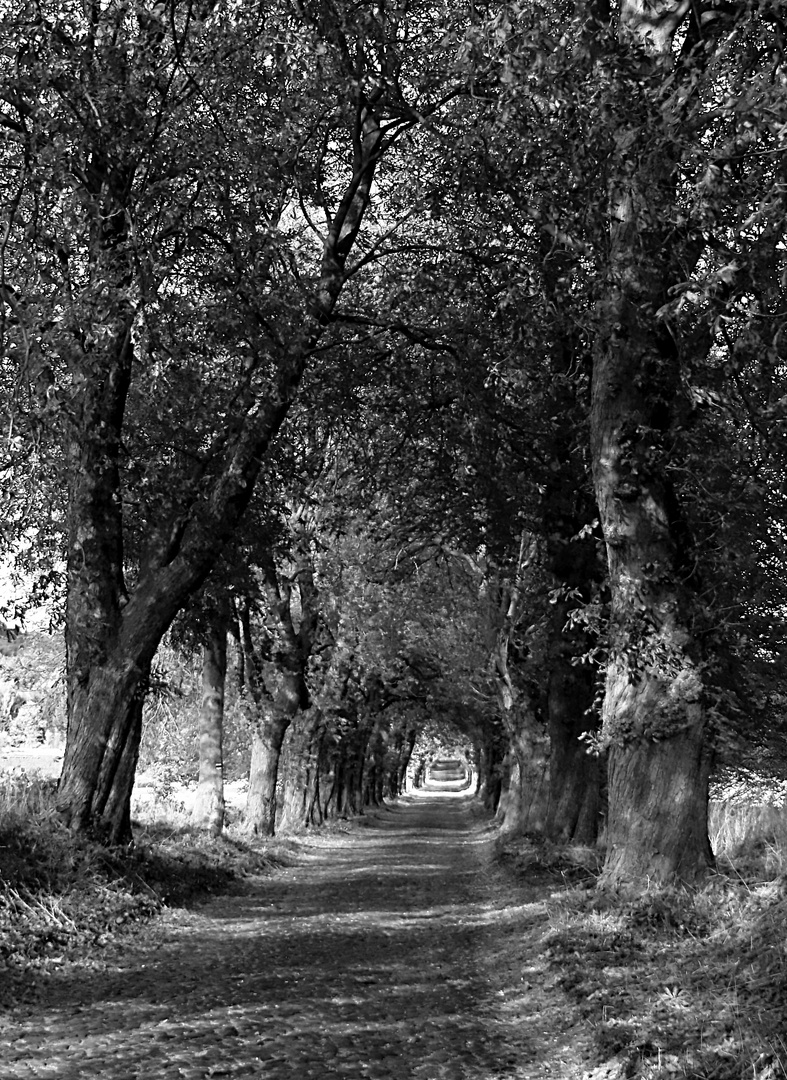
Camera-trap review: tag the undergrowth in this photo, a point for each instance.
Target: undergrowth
(64, 897)
(676, 983)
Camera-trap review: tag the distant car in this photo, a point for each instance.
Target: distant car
(447, 770)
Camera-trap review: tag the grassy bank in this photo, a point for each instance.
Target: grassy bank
(674, 983)
(63, 897)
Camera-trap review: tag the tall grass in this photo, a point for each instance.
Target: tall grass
(63, 895)
(749, 837)
(25, 794)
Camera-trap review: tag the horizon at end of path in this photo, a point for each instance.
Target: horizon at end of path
(393, 946)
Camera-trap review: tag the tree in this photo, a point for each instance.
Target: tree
(276, 678)
(666, 70)
(172, 161)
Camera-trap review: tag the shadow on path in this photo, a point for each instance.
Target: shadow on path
(369, 957)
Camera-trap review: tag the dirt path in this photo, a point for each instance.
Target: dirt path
(394, 950)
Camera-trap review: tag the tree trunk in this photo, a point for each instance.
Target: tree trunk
(374, 766)
(277, 687)
(571, 557)
(657, 828)
(208, 812)
(406, 746)
(105, 708)
(654, 718)
(299, 767)
(525, 806)
(490, 765)
(266, 744)
(419, 772)
(354, 749)
(575, 774)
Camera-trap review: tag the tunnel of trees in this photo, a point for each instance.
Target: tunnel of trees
(420, 367)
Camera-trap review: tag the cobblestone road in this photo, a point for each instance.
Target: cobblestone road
(389, 951)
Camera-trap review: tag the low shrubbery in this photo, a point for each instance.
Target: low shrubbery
(63, 896)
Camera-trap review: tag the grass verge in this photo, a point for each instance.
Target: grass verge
(64, 897)
(675, 983)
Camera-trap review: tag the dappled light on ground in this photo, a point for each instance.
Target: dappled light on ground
(376, 954)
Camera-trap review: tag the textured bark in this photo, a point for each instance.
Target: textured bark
(276, 686)
(374, 768)
(654, 718)
(490, 765)
(300, 771)
(575, 775)
(657, 828)
(574, 800)
(571, 558)
(524, 792)
(105, 710)
(524, 804)
(104, 679)
(405, 752)
(354, 750)
(266, 744)
(208, 812)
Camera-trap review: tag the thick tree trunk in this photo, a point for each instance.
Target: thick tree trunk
(105, 707)
(208, 812)
(266, 744)
(575, 774)
(354, 749)
(299, 769)
(399, 777)
(571, 557)
(505, 789)
(419, 774)
(525, 804)
(374, 767)
(277, 689)
(657, 828)
(490, 765)
(117, 810)
(334, 800)
(654, 718)
(574, 801)
(104, 679)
